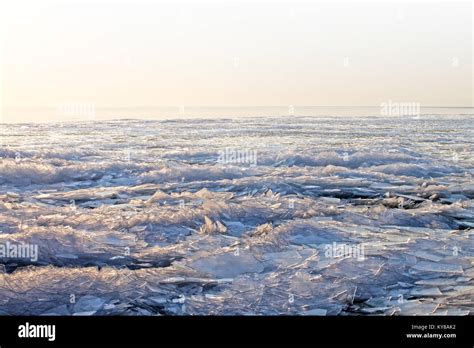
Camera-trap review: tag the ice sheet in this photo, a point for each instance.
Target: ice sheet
(316, 216)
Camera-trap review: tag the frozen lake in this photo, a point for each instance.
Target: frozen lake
(273, 215)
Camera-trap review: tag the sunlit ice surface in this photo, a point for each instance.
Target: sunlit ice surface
(280, 215)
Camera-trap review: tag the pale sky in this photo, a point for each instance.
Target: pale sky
(234, 53)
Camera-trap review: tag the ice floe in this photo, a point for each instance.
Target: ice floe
(356, 216)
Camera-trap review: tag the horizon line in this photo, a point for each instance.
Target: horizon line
(225, 106)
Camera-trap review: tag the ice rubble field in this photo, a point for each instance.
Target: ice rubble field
(139, 217)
